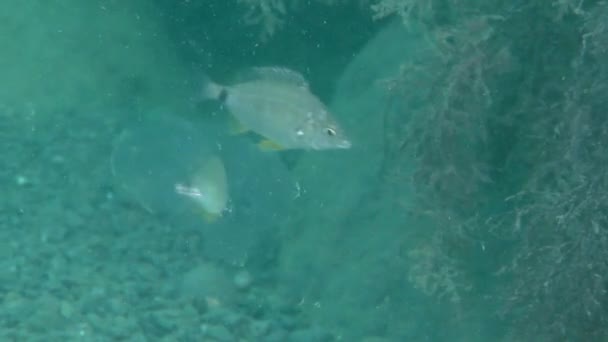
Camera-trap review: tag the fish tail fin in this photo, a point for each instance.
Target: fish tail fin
(211, 90)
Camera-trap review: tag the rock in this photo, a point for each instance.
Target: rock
(209, 282)
(218, 332)
(310, 335)
(221, 315)
(260, 328)
(351, 257)
(160, 323)
(287, 322)
(122, 327)
(73, 219)
(278, 335)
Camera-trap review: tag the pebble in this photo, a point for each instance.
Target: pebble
(221, 315)
(66, 309)
(242, 280)
(21, 180)
(161, 322)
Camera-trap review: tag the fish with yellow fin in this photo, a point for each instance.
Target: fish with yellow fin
(277, 104)
(208, 189)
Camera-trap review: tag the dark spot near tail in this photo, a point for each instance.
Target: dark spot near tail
(223, 95)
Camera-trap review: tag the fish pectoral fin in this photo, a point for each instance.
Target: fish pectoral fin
(236, 127)
(210, 217)
(268, 145)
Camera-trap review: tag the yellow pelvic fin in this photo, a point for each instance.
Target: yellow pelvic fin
(210, 217)
(236, 127)
(267, 145)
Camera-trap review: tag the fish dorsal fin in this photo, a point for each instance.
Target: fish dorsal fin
(277, 74)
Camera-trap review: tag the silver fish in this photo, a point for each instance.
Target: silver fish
(277, 104)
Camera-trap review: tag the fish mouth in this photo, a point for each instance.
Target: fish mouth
(345, 144)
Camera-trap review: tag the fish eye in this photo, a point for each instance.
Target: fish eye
(330, 131)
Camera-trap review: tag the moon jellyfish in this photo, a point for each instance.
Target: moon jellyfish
(168, 165)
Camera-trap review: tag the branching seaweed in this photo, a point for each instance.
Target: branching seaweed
(536, 151)
(509, 142)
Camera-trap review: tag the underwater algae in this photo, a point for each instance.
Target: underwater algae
(503, 154)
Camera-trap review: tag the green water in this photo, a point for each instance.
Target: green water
(470, 207)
